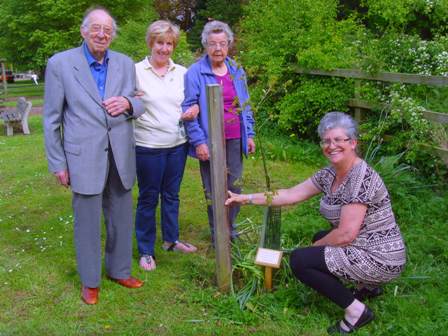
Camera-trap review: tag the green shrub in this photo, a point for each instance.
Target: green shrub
(228, 11)
(301, 110)
(423, 17)
(277, 37)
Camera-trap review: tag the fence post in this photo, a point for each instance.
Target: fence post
(218, 172)
(357, 96)
(5, 87)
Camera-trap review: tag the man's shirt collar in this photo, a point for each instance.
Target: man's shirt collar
(92, 60)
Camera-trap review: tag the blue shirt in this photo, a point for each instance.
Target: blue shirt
(98, 70)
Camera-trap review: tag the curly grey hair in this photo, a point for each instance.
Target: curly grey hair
(214, 27)
(86, 19)
(338, 120)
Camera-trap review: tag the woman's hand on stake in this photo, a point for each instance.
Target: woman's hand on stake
(237, 198)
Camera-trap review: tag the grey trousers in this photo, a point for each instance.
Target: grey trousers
(116, 203)
(234, 173)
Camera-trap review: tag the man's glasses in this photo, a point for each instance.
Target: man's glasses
(97, 28)
(336, 142)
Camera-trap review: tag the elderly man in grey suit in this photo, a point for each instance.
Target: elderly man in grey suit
(88, 111)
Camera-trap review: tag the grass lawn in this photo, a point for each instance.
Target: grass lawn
(26, 89)
(36, 102)
(39, 285)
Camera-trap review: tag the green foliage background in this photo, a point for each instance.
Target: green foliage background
(274, 39)
(274, 43)
(278, 37)
(33, 30)
(131, 39)
(229, 11)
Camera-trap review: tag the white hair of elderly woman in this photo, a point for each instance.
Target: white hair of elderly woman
(337, 119)
(214, 27)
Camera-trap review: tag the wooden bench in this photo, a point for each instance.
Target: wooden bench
(17, 116)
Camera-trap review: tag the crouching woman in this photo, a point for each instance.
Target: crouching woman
(364, 245)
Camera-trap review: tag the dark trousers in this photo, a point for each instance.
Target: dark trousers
(116, 203)
(234, 173)
(159, 173)
(308, 265)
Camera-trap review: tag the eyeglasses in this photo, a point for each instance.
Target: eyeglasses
(336, 142)
(97, 28)
(214, 45)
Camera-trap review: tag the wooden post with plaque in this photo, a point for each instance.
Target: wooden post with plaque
(270, 259)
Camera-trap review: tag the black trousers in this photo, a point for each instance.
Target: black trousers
(308, 265)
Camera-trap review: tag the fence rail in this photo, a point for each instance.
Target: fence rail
(438, 117)
(357, 103)
(380, 76)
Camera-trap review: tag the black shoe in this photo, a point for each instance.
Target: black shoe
(366, 317)
(365, 293)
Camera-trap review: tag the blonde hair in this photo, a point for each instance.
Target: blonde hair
(162, 29)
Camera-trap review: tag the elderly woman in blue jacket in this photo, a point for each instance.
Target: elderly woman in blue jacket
(217, 68)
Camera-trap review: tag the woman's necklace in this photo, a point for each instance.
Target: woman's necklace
(160, 70)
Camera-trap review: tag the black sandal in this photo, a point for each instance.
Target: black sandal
(366, 317)
(366, 293)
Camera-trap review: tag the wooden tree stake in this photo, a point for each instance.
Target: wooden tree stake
(218, 172)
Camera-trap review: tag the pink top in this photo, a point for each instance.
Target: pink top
(232, 127)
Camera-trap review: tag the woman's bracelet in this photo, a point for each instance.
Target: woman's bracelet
(250, 199)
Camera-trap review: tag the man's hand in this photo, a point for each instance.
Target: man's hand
(116, 105)
(202, 152)
(251, 145)
(63, 178)
(191, 113)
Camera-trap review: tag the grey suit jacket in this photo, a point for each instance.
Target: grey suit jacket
(77, 128)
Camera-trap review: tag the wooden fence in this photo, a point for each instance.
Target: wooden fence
(358, 104)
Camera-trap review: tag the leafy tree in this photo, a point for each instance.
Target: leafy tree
(373, 35)
(276, 37)
(426, 18)
(180, 12)
(229, 11)
(33, 30)
(132, 41)
(132, 38)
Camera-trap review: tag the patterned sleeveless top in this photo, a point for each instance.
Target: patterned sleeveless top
(378, 254)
